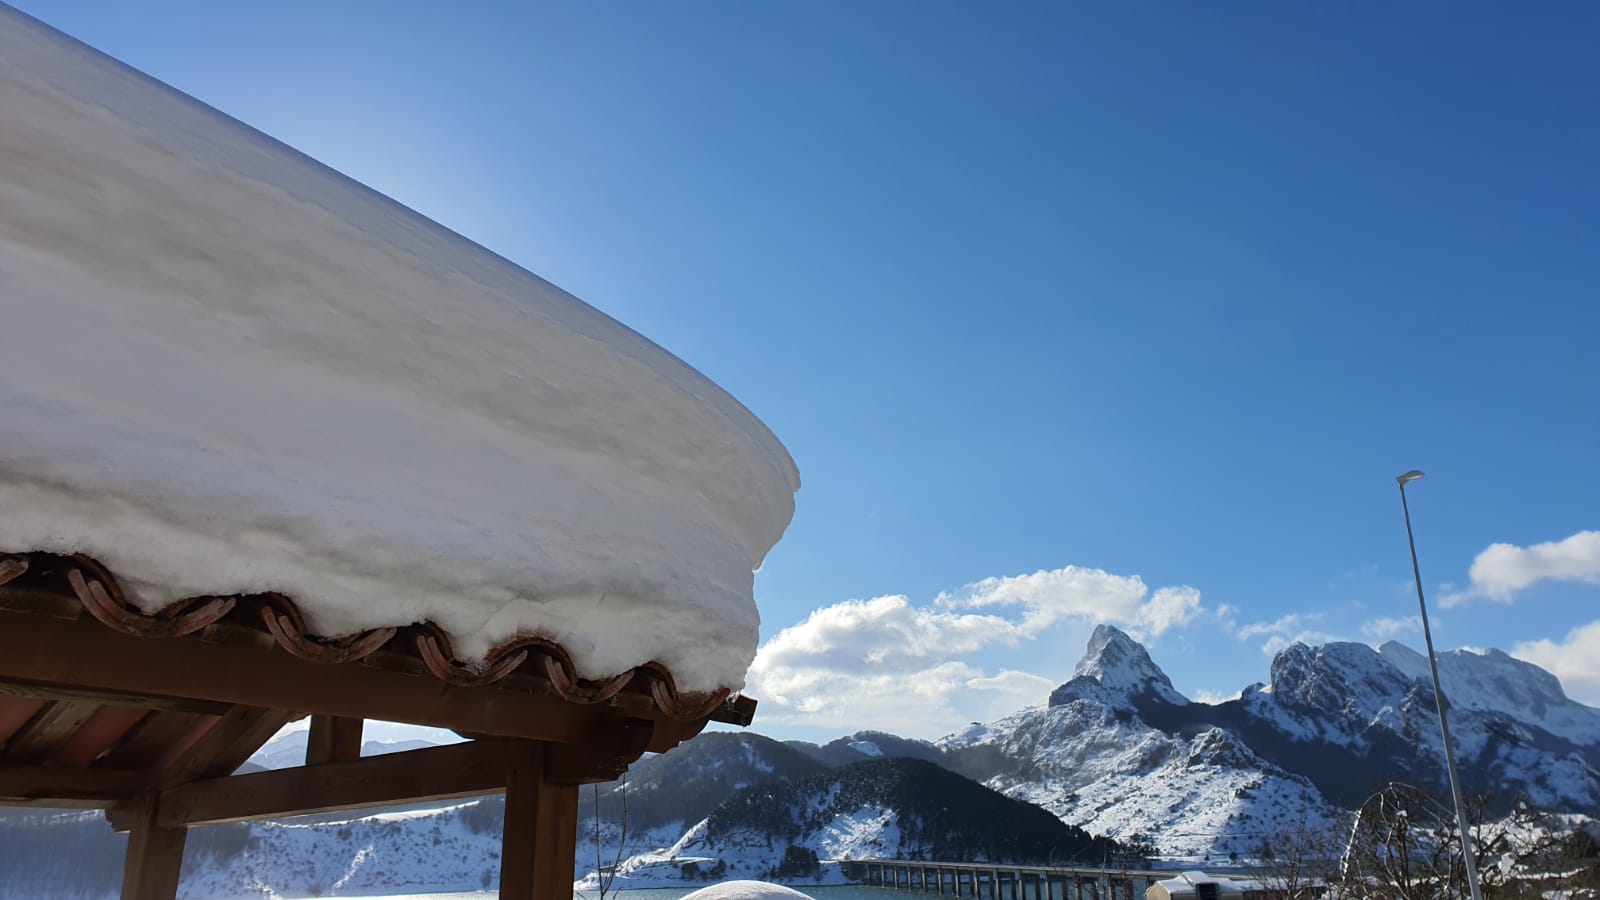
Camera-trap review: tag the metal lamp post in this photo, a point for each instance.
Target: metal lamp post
(1438, 696)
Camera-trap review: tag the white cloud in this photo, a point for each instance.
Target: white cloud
(1227, 616)
(1092, 595)
(1502, 570)
(1215, 697)
(926, 703)
(885, 663)
(1385, 628)
(881, 634)
(1282, 626)
(1285, 631)
(1028, 689)
(1575, 660)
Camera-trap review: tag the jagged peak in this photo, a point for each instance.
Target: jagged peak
(1337, 673)
(1114, 670)
(1116, 660)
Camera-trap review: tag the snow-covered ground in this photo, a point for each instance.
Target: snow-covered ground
(226, 368)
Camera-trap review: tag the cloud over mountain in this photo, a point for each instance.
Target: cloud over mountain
(914, 668)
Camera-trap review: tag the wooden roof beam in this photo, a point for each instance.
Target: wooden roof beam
(70, 788)
(453, 771)
(83, 655)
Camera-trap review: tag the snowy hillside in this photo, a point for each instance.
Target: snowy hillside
(1117, 776)
(874, 808)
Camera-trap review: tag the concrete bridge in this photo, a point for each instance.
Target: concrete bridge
(1007, 882)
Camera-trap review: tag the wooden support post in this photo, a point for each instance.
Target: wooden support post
(155, 855)
(540, 840)
(333, 739)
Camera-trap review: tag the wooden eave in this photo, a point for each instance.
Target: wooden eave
(99, 701)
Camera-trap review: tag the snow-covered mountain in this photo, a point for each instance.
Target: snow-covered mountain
(1119, 751)
(1116, 671)
(1089, 758)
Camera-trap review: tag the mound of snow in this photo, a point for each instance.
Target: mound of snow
(226, 368)
(746, 890)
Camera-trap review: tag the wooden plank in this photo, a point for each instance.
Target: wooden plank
(155, 855)
(44, 783)
(16, 712)
(333, 739)
(96, 736)
(85, 655)
(540, 837)
(109, 698)
(432, 773)
(46, 732)
(161, 733)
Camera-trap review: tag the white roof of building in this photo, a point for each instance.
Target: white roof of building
(1185, 883)
(226, 368)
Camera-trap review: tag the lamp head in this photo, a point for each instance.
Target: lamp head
(1409, 477)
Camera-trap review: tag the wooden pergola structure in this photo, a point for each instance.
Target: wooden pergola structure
(148, 716)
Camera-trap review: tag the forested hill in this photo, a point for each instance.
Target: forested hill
(937, 814)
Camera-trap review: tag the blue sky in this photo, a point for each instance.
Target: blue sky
(1156, 291)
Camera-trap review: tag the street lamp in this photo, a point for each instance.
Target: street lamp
(1438, 696)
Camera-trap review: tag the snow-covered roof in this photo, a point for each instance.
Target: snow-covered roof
(226, 368)
(1185, 882)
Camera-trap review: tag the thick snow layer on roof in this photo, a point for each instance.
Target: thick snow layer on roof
(746, 890)
(225, 368)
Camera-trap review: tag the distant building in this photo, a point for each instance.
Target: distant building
(1200, 886)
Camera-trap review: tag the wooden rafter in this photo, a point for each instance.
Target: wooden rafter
(432, 773)
(49, 727)
(110, 698)
(84, 655)
(227, 744)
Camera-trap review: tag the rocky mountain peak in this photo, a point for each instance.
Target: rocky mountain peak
(1116, 660)
(1338, 677)
(1115, 669)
